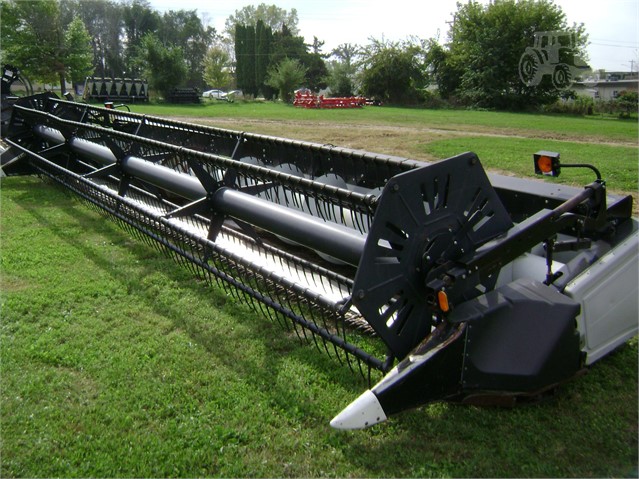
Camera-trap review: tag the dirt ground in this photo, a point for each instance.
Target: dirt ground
(397, 141)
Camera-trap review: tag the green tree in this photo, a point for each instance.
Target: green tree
(285, 77)
(272, 16)
(439, 69)
(78, 53)
(245, 57)
(184, 29)
(31, 34)
(253, 57)
(340, 79)
(274, 19)
(317, 46)
(346, 54)
(258, 44)
(104, 22)
(393, 71)
(249, 84)
(264, 41)
(165, 65)
(287, 45)
(316, 71)
(139, 20)
(628, 103)
(342, 70)
(217, 68)
(486, 41)
(36, 40)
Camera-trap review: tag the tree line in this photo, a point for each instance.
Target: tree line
(111, 39)
(261, 52)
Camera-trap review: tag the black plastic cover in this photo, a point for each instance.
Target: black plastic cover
(521, 337)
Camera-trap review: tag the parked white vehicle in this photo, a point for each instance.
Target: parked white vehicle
(215, 94)
(235, 95)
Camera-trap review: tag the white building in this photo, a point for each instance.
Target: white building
(608, 88)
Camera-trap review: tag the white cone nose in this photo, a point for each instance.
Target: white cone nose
(361, 413)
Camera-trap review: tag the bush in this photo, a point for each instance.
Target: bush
(285, 77)
(624, 106)
(627, 103)
(433, 100)
(572, 105)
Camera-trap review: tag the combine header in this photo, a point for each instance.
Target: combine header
(445, 282)
(116, 89)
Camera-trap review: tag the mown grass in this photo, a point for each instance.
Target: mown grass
(617, 164)
(115, 362)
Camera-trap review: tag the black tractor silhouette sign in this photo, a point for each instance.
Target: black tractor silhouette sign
(552, 54)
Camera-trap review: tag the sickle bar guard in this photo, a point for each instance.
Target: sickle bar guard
(459, 286)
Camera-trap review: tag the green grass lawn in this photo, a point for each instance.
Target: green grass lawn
(592, 128)
(115, 362)
(617, 164)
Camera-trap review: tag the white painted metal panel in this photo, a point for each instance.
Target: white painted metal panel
(609, 295)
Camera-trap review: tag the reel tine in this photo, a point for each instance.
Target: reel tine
(325, 326)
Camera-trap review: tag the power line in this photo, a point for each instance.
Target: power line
(614, 42)
(636, 45)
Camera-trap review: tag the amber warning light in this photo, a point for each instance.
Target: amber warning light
(547, 163)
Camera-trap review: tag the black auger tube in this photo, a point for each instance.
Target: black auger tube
(181, 184)
(338, 241)
(335, 240)
(81, 147)
(332, 239)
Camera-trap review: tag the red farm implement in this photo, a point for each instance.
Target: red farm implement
(308, 100)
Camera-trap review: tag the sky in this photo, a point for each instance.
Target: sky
(612, 25)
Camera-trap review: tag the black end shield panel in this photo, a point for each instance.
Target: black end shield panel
(521, 337)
